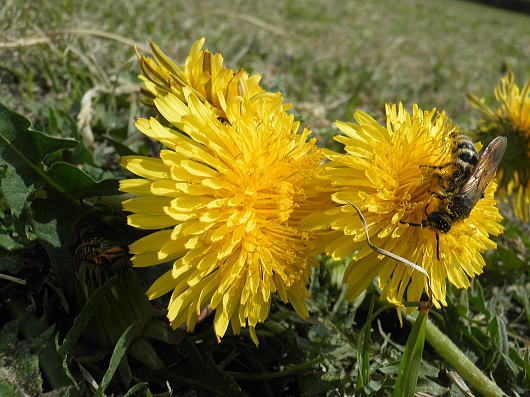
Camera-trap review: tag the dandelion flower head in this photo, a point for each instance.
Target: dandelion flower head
(202, 72)
(228, 194)
(384, 173)
(511, 118)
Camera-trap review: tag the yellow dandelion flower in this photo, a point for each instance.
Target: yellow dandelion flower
(511, 119)
(228, 195)
(203, 72)
(387, 172)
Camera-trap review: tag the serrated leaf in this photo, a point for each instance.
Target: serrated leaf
(19, 364)
(9, 243)
(411, 359)
(39, 338)
(79, 184)
(314, 386)
(221, 379)
(498, 335)
(477, 299)
(213, 378)
(15, 191)
(15, 132)
(23, 150)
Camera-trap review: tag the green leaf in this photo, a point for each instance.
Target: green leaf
(526, 367)
(84, 316)
(79, 184)
(497, 333)
(411, 359)
(363, 351)
(119, 351)
(54, 220)
(279, 374)
(39, 337)
(213, 378)
(144, 352)
(23, 150)
(477, 299)
(19, 362)
(11, 264)
(8, 390)
(135, 389)
(15, 191)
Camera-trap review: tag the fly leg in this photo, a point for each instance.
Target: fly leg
(411, 223)
(438, 167)
(439, 196)
(441, 180)
(437, 245)
(422, 224)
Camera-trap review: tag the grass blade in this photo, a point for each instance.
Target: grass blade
(363, 351)
(411, 359)
(275, 375)
(118, 353)
(84, 316)
(135, 389)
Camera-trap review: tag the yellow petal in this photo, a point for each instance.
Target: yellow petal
(146, 167)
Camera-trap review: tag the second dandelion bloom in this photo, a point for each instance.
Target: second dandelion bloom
(511, 118)
(390, 173)
(203, 72)
(228, 194)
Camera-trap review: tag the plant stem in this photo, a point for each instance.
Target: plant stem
(114, 201)
(463, 365)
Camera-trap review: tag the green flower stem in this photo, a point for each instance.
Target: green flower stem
(113, 201)
(463, 365)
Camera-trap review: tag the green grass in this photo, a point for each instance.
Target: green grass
(328, 58)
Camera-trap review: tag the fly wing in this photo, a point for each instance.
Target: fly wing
(485, 169)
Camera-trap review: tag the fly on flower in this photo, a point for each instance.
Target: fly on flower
(390, 173)
(465, 186)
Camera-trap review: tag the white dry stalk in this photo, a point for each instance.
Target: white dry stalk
(88, 377)
(84, 117)
(459, 382)
(13, 279)
(388, 253)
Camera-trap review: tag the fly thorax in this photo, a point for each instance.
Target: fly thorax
(460, 206)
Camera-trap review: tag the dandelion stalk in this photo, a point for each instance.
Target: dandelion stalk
(454, 356)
